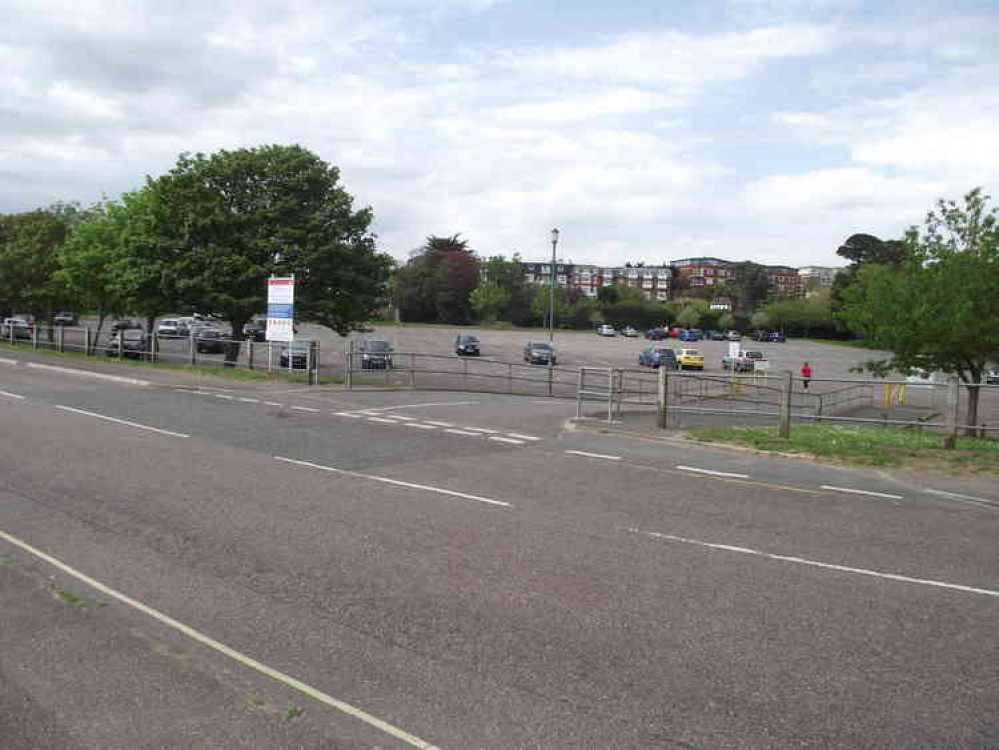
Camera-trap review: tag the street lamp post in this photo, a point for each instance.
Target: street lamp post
(551, 292)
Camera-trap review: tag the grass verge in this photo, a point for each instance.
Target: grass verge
(232, 373)
(866, 446)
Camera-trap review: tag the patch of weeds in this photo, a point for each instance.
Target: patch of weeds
(6, 560)
(290, 713)
(77, 600)
(255, 703)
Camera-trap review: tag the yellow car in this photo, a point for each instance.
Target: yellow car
(690, 359)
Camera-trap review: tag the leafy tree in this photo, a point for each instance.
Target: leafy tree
(608, 295)
(938, 308)
(488, 299)
(753, 285)
(689, 317)
(761, 320)
(541, 303)
(436, 284)
(236, 218)
(862, 250)
(727, 321)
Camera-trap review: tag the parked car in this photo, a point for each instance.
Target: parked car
(297, 352)
(211, 341)
(733, 336)
(773, 336)
(716, 335)
(129, 342)
(691, 359)
(606, 330)
(658, 356)
(466, 345)
(745, 362)
(376, 355)
(991, 376)
(690, 334)
(656, 334)
(168, 328)
(18, 327)
(256, 329)
(125, 324)
(64, 318)
(674, 333)
(539, 353)
(630, 332)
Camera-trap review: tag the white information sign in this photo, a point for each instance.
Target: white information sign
(734, 349)
(281, 308)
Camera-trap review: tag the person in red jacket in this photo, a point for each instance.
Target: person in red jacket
(806, 374)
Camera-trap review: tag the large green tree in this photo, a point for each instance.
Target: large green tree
(937, 309)
(236, 218)
(436, 283)
(488, 299)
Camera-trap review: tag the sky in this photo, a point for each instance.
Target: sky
(645, 130)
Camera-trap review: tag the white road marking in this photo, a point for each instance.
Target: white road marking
(594, 455)
(222, 396)
(483, 430)
(862, 492)
(397, 482)
(249, 400)
(272, 403)
(382, 420)
(11, 395)
(818, 564)
(506, 440)
(438, 424)
(522, 437)
(205, 640)
(306, 408)
(122, 421)
(959, 496)
(730, 474)
(347, 414)
(420, 426)
(423, 406)
(404, 419)
(464, 432)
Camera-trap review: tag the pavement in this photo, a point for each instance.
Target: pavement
(230, 566)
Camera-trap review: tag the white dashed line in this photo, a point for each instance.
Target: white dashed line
(463, 432)
(422, 406)
(224, 397)
(729, 474)
(348, 414)
(11, 395)
(420, 426)
(122, 421)
(586, 454)
(223, 649)
(967, 498)
(306, 408)
(404, 419)
(438, 424)
(506, 440)
(522, 437)
(483, 430)
(869, 493)
(817, 564)
(249, 400)
(397, 482)
(272, 403)
(382, 420)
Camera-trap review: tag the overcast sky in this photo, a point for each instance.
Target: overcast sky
(644, 129)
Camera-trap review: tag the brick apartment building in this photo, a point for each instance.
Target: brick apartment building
(654, 281)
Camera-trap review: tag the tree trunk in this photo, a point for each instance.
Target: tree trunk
(102, 316)
(150, 324)
(232, 347)
(971, 417)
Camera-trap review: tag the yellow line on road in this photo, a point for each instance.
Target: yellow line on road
(225, 650)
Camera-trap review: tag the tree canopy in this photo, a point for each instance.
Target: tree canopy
(436, 283)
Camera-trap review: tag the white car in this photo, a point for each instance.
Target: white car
(733, 336)
(606, 330)
(630, 332)
(169, 328)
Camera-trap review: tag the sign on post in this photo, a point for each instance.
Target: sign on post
(734, 349)
(281, 308)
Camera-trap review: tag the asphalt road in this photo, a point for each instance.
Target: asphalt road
(289, 568)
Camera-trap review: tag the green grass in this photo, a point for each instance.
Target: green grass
(232, 373)
(868, 446)
(77, 600)
(6, 560)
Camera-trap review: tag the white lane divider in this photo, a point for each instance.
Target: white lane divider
(482, 430)
(397, 482)
(403, 418)
(382, 420)
(966, 498)
(306, 408)
(587, 454)
(419, 426)
(348, 414)
(462, 432)
(237, 656)
(11, 395)
(522, 437)
(438, 424)
(224, 397)
(710, 472)
(122, 421)
(869, 493)
(273, 403)
(511, 441)
(815, 563)
(248, 400)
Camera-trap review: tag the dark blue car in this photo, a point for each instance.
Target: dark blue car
(658, 356)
